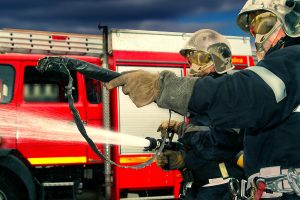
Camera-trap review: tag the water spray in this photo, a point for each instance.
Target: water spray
(42, 127)
(63, 65)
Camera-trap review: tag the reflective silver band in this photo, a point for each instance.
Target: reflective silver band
(297, 109)
(273, 81)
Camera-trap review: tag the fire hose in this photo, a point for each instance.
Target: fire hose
(62, 65)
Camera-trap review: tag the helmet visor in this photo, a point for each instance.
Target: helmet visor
(262, 24)
(198, 57)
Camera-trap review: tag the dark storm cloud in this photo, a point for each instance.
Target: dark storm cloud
(84, 15)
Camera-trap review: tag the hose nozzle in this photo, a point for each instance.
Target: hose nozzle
(153, 144)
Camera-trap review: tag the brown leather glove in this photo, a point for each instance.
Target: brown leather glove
(180, 128)
(173, 125)
(141, 86)
(171, 160)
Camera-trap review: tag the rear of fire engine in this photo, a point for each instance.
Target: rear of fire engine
(152, 51)
(46, 168)
(41, 168)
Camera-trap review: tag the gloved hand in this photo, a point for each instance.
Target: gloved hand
(171, 160)
(166, 89)
(173, 125)
(141, 86)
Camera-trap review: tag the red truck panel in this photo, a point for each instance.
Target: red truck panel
(43, 152)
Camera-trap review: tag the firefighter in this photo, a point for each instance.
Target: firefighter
(263, 99)
(206, 158)
(206, 167)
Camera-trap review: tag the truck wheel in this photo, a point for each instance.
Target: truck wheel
(11, 187)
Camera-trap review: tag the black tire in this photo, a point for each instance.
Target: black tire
(11, 187)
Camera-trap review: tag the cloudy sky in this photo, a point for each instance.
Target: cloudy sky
(83, 16)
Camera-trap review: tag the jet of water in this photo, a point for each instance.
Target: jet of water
(38, 126)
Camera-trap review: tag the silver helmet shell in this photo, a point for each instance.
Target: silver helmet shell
(288, 11)
(215, 44)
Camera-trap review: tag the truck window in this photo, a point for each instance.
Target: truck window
(47, 87)
(93, 91)
(7, 78)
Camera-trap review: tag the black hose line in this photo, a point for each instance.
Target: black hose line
(101, 75)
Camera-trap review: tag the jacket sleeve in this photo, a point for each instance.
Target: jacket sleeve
(240, 100)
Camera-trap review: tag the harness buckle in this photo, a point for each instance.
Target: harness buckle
(238, 189)
(272, 184)
(283, 183)
(293, 178)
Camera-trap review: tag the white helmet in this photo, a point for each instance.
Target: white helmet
(288, 11)
(270, 21)
(212, 48)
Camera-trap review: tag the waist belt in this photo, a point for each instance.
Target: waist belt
(216, 181)
(272, 182)
(221, 180)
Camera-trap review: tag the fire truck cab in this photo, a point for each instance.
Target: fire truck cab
(33, 166)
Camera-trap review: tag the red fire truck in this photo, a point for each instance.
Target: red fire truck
(32, 168)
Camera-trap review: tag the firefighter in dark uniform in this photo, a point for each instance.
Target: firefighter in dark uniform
(263, 99)
(205, 165)
(208, 157)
